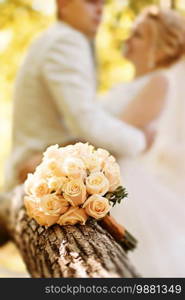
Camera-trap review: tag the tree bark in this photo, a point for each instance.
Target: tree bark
(69, 251)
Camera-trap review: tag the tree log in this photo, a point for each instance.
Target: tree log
(70, 251)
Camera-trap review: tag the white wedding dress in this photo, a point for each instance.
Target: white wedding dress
(155, 209)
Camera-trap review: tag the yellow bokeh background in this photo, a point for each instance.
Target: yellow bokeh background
(20, 23)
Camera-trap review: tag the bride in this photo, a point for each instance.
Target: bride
(155, 103)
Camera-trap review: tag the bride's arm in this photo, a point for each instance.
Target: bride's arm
(148, 104)
(117, 98)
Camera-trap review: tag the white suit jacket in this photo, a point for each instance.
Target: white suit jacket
(54, 101)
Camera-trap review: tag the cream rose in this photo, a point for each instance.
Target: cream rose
(28, 185)
(43, 172)
(73, 216)
(86, 152)
(97, 183)
(74, 167)
(52, 152)
(75, 192)
(112, 172)
(68, 151)
(56, 183)
(103, 155)
(93, 163)
(97, 206)
(53, 205)
(83, 150)
(40, 188)
(45, 211)
(36, 186)
(54, 167)
(31, 204)
(44, 219)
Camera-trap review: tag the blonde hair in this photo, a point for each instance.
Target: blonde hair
(168, 29)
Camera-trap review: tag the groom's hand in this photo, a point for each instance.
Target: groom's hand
(29, 166)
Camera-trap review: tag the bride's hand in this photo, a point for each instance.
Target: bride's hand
(150, 134)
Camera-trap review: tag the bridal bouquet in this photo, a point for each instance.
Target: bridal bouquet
(71, 184)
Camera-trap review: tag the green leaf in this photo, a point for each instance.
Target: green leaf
(117, 196)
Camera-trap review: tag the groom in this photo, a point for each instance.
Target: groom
(55, 94)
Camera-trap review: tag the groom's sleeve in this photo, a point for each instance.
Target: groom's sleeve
(67, 70)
